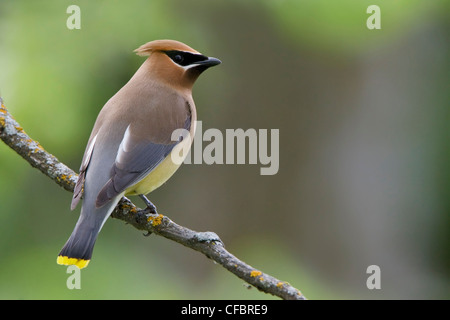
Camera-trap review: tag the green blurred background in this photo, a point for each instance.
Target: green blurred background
(363, 116)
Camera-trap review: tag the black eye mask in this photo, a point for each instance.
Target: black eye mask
(184, 58)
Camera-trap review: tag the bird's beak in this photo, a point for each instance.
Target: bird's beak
(210, 62)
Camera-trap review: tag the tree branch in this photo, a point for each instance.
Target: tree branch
(207, 243)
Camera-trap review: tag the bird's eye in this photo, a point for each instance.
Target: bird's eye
(178, 58)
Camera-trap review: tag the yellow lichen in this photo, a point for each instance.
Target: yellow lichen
(38, 148)
(155, 221)
(280, 284)
(261, 279)
(255, 273)
(129, 208)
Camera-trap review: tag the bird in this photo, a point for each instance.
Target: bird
(131, 147)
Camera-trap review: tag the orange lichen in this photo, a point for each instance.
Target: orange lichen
(255, 273)
(155, 221)
(129, 208)
(38, 148)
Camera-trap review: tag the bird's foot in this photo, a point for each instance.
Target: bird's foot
(150, 206)
(152, 212)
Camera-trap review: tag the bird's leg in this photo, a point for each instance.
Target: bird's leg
(151, 207)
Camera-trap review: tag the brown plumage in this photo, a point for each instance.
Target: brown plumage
(129, 149)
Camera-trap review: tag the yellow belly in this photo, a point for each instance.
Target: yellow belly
(162, 172)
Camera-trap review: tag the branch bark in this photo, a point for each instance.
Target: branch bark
(207, 243)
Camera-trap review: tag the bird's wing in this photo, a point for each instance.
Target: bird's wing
(78, 190)
(142, 149)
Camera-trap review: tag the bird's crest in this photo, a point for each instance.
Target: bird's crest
(162, 45)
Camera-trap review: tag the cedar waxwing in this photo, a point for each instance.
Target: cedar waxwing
(129, 150)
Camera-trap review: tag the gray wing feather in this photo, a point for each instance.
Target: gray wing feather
(134, 165)
(78, 190)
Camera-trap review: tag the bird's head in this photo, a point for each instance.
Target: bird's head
(174, 62)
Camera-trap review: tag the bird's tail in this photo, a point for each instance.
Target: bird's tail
(78, 249)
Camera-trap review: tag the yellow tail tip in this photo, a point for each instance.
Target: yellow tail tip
(80, 263)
